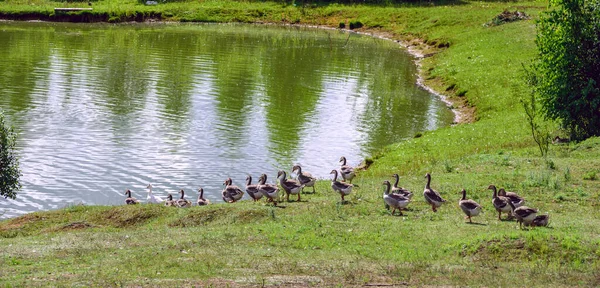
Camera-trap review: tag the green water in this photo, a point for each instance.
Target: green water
(101, 108)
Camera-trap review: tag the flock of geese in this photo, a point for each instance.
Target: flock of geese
(396, 198)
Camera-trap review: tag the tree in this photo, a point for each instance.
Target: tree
(9, 163)
(566, 73)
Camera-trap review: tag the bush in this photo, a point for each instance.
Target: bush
(9, 163)
(566, 73)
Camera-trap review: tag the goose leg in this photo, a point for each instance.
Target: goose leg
(298, 197)
(314, 189)
(433, 208)
(499, 214)
(287, 196)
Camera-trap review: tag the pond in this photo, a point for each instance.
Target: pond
(100, 108)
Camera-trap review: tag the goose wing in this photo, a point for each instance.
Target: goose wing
(523, 211)
(433, 195)
(289, 184)
(340, 185)
(469, 204)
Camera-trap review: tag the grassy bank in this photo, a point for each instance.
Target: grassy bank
(321, 242)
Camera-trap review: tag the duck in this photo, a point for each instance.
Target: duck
(343, 188)
(431, 196)
(399, 190)
(181, 202)
(540, 220)
(515, 199)
(394, 200)
(290, 186)
(130, 200)
(346, 171)
(501, 203)
(169, 202)
(525, 215)
(469, 206)
(201, 201)
(231, 193)
(252, 189)
(151, 198)
(304, 178)
(270, 191)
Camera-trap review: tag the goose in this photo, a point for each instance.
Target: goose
(181, 202)
(130, 200)
(270, 191)
(540, 220)
(305, 178)
(431, 196)
(340, 187)
(525, 215)
(516, 200)
(290, 186)
(399, 190)
(394, 200)
(169, 202)
(347, 172)
(151, 197)
(501, 203)
(252, 189)
(469, 206)
(231, 193)
(201, 201)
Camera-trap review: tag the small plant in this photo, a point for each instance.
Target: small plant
(355, 24)
(550, 164)
(539, 129)
(590, 175)
(342, 25)
(448, 167)
(418, 135)
(567, 174)
(560, 197)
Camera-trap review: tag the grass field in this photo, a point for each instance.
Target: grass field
(321, 242)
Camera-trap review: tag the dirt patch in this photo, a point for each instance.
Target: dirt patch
(507, 17)
(224, 215)
(75, 226)
(19, 222)
(127, 216)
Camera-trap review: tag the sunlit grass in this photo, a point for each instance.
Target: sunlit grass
(322, 242)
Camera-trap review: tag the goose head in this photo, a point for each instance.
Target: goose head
(228, 181)
(169, 197)
(248, 180)
(343, 160)
(387, 184)
(281, 174)
(149, 186)
(335, 174)
(262, 179)
(201, 191)
(297, 168)
(493, 188)
(128, 192)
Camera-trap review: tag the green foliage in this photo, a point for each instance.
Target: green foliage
(590, 175)
(355, 24)
(539, 128)
(9, 163)
(566, 75)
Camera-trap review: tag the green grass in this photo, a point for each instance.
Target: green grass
(320, 242)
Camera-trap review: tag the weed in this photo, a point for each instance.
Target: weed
(590, 175)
